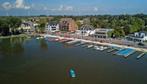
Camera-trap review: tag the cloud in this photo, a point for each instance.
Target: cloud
(7, 5)
(65, 8)
(21, 5)
(27, 7)
(95, 9)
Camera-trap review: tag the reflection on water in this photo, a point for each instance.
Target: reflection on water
(12, 46)
(43, 44)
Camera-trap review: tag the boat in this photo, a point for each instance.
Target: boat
(37, 38)
(72, 73)
(101, 48)
(96, 47)
(90, 46)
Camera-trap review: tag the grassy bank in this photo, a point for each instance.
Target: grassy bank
(14, 36)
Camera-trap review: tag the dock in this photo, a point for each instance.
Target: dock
(80, 44)
(141, 55)
(72, 42)
(64, 40)
(129, 53)
(111, 50)
(90, 46)
(125, 52)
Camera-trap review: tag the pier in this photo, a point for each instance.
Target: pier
(90, 46)
(111, 50)
(125, 52)
(141, 55)
(72, 42)
(80, 43)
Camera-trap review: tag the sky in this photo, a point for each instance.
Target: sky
(71, 7)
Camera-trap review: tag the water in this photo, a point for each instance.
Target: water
(31, 61)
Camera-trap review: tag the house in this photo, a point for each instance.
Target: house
(85, 30)
(137, 36)
(68, 24)
(27, 26)
(102, 32)
(52, 27)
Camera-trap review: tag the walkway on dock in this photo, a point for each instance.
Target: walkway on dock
(125, 52)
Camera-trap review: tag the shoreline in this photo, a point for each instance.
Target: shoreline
(96, 42)
(14, 36)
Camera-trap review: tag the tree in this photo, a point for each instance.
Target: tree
(4, 28)
(41, 27)
(14, 23)
(9, 23)
(42, 23)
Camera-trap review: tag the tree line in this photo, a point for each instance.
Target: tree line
(9, 25)
(122, 24)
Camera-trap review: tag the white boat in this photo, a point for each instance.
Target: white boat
(37, 38)
(96, 47)
(101, 48)
(90, 46)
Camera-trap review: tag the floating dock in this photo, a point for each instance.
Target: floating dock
(85, 45)
(64, 40)
(111, 50)
(141, 55)
(72, 42)
(81, 43)
(125, 52)
(90, 46)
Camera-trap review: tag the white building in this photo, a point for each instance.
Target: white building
(85, 30)
(102, 32)
(52, 27)
(137, 36)
(26, 26)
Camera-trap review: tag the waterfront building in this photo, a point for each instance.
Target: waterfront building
(102, 32)
(28, 26)
(68, 24)
(52, 27)
(85, 30)
(137, 36)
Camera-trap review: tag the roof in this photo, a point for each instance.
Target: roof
(103, 30)
(142, 32)
(86, 27)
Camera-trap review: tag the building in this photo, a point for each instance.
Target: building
(68, 24)
(102, 32)
(85, 30)
(52, 27)
(26, 26)
(137, 36)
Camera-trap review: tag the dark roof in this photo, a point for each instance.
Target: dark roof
(142, 32)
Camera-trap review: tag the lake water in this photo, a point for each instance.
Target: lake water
(31, 61)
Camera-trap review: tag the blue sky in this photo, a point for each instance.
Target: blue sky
(71, 7)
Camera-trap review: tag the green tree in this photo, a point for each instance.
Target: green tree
(14, 23)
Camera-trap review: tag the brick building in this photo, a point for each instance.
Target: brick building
(68, 24)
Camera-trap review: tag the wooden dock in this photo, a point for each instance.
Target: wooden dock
(111, 50)
(129, 54)
(72, 42)
(141, 55)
